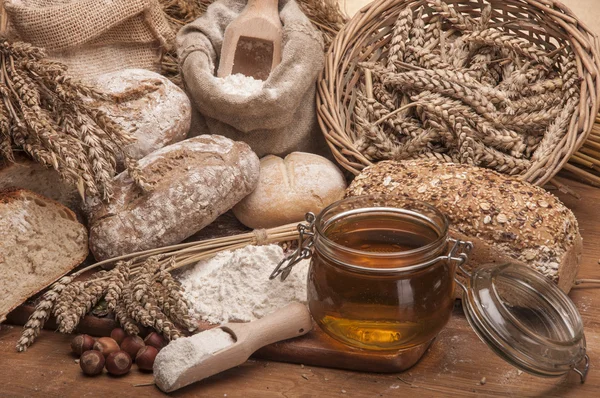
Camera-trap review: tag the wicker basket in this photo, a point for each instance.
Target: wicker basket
(366, 38)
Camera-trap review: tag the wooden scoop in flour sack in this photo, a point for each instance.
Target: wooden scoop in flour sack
(252, 42)
(188, 360)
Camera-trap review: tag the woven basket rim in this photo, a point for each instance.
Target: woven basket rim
(583, 42)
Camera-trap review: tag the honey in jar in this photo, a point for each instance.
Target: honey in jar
(375, 281)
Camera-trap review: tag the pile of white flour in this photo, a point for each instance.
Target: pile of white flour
(183, 354)
(239, 84)
(235, 285)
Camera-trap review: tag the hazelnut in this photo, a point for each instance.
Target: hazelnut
(106, 346)
(91, 362)
(118, 363)
(145, 357)
(132, 344)
(118, 335)
(82, 343)
(155, 340)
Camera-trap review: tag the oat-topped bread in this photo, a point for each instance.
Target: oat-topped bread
(507, 220)
(41, 241)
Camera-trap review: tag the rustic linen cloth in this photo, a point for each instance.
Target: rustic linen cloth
(279, 119)
(93, 37)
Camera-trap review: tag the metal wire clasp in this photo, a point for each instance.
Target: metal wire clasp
(304, 251)
(460, 254)
(583, 372)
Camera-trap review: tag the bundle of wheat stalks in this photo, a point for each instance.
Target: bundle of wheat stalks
(459, 89)
(324, 14)
(139, 289)
(146, 294)
(57, 122)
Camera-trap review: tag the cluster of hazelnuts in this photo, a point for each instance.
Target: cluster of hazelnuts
(116, 352)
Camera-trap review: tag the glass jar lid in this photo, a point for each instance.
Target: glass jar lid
(526, 319)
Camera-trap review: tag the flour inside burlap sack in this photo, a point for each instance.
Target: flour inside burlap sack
(278, 118)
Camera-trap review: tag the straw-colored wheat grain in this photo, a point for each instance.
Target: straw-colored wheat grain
(41, 313)
(497, 38)
(399, 37)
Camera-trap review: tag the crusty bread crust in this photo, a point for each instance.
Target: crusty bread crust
(483, 254)
(37, 276)
(567, 273)
(156, 111)
(24, 173)
(194, 181)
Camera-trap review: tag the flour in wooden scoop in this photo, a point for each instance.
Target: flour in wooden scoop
(185, 353)
(235, 285)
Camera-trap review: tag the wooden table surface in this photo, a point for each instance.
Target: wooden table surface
(457, 364)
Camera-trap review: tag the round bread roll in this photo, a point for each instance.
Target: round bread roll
(289, 188)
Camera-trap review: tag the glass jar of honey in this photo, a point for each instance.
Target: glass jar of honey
(379, 279)
(383, 277)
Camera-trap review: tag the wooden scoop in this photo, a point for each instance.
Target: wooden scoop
(252, 42)
(291, 321)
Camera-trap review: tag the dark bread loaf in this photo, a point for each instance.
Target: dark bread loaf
(507, 220)
(195, 181)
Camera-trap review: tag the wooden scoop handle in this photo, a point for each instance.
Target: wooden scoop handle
(291, 321)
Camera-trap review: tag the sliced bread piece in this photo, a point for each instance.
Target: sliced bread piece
(41, 241)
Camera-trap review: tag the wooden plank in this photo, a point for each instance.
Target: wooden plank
(453, 366)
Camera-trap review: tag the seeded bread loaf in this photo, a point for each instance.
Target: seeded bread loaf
(507, 220)
(41, 241)
(289, 188)
(194, 182)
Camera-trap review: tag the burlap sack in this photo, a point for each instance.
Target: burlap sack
(93, 37)
(281, 118)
